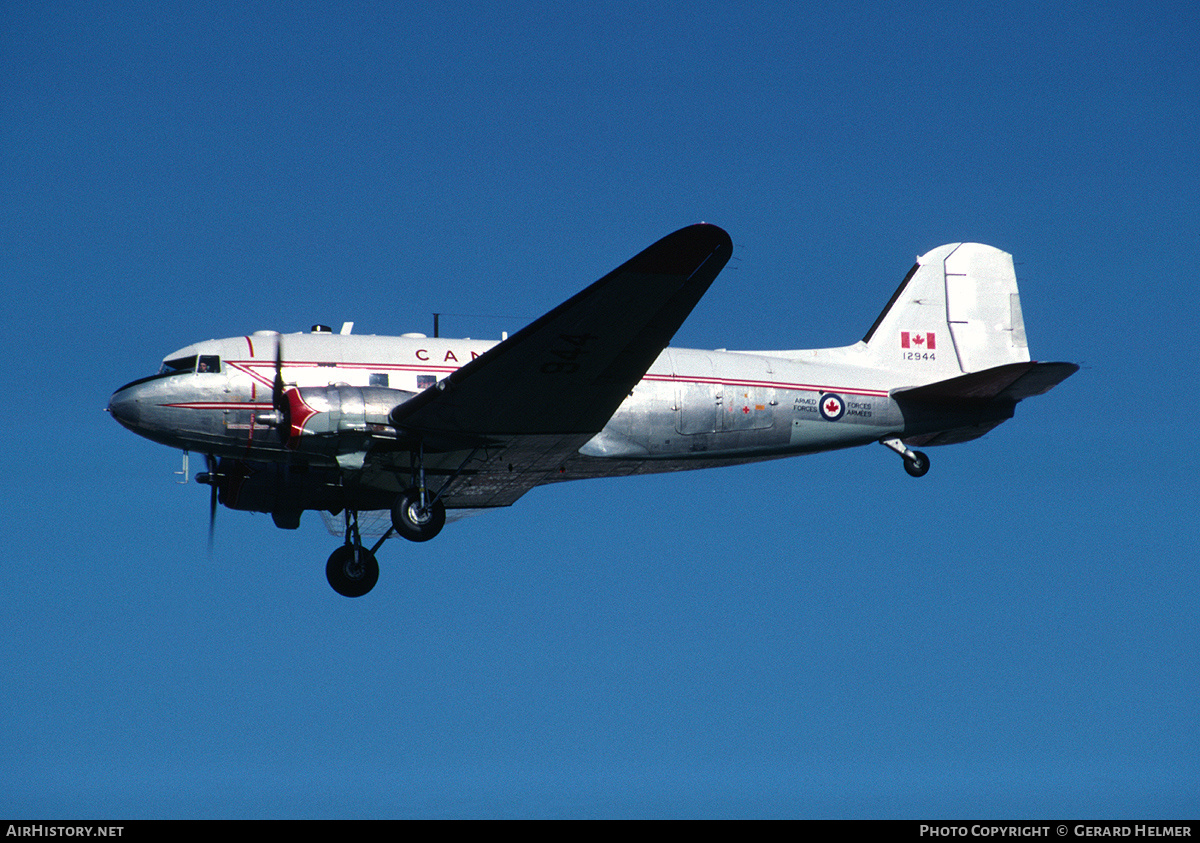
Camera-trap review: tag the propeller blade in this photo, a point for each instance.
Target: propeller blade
(278, 397)
(212, 500)
(277, 391)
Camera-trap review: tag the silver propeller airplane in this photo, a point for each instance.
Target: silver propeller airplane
(415, 426)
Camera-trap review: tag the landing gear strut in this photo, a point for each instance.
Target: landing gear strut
(915, 462)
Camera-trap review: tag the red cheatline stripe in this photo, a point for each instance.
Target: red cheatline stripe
(249, 367)
(770, 384)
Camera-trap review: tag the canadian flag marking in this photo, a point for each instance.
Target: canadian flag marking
(918, 340)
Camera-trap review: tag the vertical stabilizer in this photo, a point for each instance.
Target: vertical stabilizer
(957, 311)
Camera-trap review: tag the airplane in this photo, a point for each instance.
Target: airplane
(413, 427)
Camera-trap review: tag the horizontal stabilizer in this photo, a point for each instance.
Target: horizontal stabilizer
(955, 436)
(1011, 382)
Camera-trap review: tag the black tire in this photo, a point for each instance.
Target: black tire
(918, 466)
(349, 576)
(411, 523)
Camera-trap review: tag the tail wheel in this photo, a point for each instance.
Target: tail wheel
(414, 522)
(917, 465)
(352, 570)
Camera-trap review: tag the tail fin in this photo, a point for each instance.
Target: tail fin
(957, 311)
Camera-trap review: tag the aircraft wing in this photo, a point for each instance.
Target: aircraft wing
(568, 371)
(529, 403)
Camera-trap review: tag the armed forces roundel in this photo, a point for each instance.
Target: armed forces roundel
(832, 407)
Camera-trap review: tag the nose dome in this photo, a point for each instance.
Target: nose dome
(125, 407)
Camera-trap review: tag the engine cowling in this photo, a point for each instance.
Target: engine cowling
(316, 418)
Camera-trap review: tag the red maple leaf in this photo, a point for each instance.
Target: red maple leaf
(745, 409)
(918, 339)
(831, 407)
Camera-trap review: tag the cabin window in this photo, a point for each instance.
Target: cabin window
(378, 379)
(209, 363)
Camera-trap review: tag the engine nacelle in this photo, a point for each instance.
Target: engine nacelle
(315, 418)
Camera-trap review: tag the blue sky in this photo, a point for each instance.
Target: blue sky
(1013, 635)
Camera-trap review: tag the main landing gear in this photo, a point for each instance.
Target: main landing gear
(353, 570)
(915, 462)
(417, 514)
(418, 517)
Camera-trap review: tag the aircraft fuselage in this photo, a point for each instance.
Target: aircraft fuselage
(691, 406)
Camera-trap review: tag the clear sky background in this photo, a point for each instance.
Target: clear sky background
(1013, 635)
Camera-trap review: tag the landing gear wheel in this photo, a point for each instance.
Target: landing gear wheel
(352, 571)
(918, 466)
(414, 523)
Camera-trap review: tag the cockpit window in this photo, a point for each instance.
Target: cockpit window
(195, 363)
(178, 366)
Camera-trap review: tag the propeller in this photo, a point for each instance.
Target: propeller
(278, 398)
(277, 391)
(280, 415)
(212, 499)
(212, 479)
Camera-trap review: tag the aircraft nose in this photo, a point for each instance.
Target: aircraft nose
(148, 408)
(125, 407)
